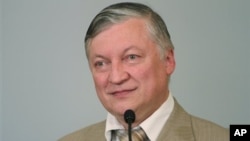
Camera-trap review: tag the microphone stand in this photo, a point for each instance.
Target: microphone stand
(129, 131)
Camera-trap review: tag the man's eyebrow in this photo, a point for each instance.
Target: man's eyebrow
(99, 56)
(131, 47)
(124, 51)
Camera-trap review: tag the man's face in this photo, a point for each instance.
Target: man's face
(127, 69)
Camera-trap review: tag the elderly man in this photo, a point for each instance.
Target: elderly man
(131, 58)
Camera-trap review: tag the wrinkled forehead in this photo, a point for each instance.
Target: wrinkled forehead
(103, 26)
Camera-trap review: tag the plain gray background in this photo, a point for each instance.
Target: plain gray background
(46, 86)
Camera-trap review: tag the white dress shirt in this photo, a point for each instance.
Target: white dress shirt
(152, 125)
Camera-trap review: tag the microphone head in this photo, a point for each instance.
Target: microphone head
(129, 116)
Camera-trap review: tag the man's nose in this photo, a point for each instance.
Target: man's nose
(118, 74)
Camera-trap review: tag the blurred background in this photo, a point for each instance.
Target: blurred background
(46, 89)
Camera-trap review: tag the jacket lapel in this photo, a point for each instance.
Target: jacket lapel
(178, 127)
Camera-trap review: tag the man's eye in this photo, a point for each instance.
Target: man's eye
(132, 56)
(99, 64)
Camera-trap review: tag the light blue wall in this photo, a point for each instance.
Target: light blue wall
(1, 70)
(47, 87)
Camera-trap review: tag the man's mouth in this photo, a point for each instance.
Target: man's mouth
(123, 92)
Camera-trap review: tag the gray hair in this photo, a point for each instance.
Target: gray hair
(120, 12)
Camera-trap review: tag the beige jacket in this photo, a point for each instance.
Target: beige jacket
(180, 126)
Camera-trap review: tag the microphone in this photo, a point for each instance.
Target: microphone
(129, 117)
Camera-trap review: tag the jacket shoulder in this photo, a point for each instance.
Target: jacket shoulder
(92, 132)
(182, 126)
(207, 130)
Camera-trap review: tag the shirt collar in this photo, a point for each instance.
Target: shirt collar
(154, 124)
(160, 115)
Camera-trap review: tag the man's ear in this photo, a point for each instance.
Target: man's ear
(169, 60)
